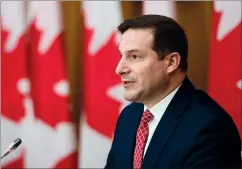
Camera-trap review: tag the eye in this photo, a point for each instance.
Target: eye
(134, 56)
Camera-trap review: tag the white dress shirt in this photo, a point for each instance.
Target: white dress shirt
(158, 111)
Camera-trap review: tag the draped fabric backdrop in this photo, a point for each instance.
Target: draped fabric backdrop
(35, 102)
(59, 91)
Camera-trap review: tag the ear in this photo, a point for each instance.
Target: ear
(173, 61)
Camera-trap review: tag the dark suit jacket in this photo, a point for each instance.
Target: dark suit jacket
(194, 132)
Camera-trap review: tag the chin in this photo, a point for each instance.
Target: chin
(131, 96)
(128, 98)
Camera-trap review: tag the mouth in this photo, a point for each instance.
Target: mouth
(127, 83)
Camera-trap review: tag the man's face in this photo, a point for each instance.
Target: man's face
(143, 75)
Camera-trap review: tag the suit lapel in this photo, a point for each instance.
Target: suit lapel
(167, 124)
(162, 133)
(131, 135)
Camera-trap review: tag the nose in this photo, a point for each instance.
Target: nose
(122, 68)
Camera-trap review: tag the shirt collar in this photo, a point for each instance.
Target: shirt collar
(158, 109)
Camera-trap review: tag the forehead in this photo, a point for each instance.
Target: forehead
(136, 39)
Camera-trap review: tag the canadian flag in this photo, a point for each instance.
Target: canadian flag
(13, 78)
(225, 73)
(166, 8)
(103, 93)
(41, 116)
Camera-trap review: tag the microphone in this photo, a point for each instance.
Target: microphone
(12, 146)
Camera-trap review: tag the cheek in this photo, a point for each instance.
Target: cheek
(145, 75)
(148, 73)
(154, 74)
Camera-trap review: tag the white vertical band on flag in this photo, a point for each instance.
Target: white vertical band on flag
(96, 12)
(166, 8)
(230, 16)
(12, 17)
(48, 20)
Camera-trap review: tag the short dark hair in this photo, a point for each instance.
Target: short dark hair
(169, 36)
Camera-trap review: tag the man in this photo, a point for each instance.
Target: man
(170, 124)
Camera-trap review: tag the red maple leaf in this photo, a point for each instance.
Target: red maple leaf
(12, 70)
(99, 75)
(45, 71)
(225, 70)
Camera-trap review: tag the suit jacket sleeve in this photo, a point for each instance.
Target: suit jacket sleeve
(216, 147)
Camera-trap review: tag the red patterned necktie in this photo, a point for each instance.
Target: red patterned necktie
(141, 138)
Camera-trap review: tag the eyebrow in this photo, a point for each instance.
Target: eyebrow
(131, 51)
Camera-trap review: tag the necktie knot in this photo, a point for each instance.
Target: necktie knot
(147, 116)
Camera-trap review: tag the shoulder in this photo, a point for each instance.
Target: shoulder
(129, 115)
(208, 106)
(131, 110)
(207, 113)
(212, 130)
